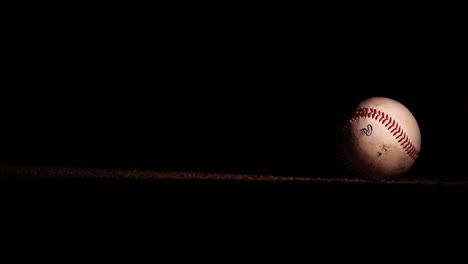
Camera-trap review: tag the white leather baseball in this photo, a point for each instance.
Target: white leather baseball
(380, 139)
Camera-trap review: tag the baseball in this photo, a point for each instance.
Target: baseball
(379, 139)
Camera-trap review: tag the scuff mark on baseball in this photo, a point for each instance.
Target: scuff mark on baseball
(380, 139)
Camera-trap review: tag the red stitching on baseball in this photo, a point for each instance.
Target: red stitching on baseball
(391, 125)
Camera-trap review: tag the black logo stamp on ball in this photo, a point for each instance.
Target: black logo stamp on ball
(367, 131)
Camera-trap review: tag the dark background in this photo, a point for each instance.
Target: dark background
(231, 90)
(256, 90)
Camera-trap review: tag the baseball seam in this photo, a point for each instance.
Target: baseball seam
(392, 126)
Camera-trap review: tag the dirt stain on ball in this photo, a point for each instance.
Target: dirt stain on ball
(383, 149)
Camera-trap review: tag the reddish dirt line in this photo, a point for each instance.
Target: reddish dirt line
(38, 172)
